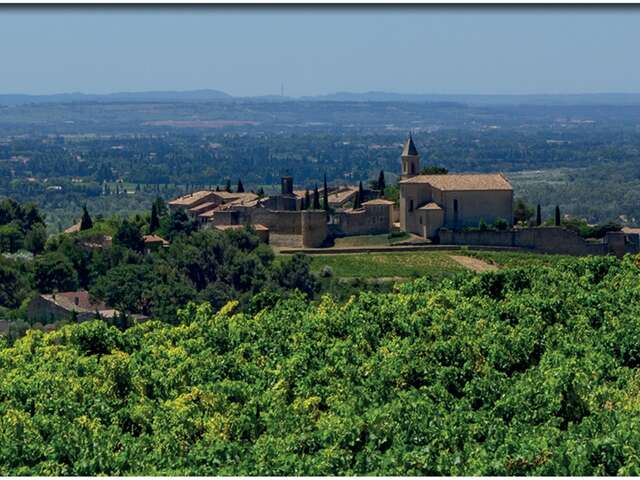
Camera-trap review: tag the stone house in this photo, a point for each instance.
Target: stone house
(48, 308)
(153, 243)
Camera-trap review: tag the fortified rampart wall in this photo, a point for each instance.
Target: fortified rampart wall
(545, 239)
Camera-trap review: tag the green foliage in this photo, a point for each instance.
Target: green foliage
(433, 170)
(21, 226)
(522, 211)
(54, 272)
(13, 285)
(129, 236)
(582, 228)
(517, 372)
(85, 223)
(36, 239)
(500, 224)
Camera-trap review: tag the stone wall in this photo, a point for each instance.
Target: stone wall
(545, 239)
(313, 228)
(370, 220)
(278, 221)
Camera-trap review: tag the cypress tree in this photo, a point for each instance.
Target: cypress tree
(86, 223)
(316, 198)
(217, 188)
(307, 199)
(325, 195)
(381, 183)
(360, 192)
(154, 222)
(240, 187)
(557, 216)
(227, 187)
(538, 216)
(357, 202)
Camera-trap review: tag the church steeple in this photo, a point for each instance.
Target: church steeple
(410, 159)
(409, 147)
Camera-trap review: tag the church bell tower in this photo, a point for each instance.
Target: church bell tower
(410, 159)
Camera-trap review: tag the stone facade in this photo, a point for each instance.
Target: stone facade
(49, 308)
(455, 201)
(375, 217)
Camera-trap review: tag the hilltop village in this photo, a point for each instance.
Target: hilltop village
(293, 217)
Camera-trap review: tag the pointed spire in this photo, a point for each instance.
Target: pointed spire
(409, 147)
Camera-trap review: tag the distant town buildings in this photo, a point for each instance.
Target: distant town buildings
(427, 203)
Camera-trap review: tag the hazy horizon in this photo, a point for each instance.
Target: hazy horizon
(252, 51)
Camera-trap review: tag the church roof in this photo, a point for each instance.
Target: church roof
(409, 147)
(463, 181)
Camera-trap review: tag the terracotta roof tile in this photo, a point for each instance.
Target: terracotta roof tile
(463, 181)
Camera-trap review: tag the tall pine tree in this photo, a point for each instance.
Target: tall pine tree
(227, 187)
(381, 183)
(325, 195)
(154, 221)
(86, 223)
(316, 198)
(538, 216)
(307, 199)
(557, 215)
(240, 187)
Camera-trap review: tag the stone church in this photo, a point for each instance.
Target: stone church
(454, 201)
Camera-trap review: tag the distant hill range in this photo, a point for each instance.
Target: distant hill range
(476, 100)
(621, 99)
(161, 96)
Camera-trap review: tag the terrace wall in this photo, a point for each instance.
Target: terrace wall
(545, 239)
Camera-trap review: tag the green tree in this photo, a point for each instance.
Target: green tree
(227, 187)
(557, 216)
(13, 286)
(85, 223)
(538, 216)
(381, 183)
(434, 170)
(295, 273)
(316, 198)
(154, 220)
(240, 187)
(128, 235)
(307, 200)
(54, 272)
(522, 212)
(36, 239)
(325, 195)
(11, 237)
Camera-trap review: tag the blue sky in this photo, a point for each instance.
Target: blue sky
(251, 51)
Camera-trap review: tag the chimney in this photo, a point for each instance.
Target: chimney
(287, 185)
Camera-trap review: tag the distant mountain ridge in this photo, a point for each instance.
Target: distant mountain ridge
(479, 99)
(150, 96)
(204, 95)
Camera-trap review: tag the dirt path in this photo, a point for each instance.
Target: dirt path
(474, 264)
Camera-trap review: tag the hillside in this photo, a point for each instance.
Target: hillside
(520, 371)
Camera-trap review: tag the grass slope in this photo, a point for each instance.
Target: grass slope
(383, 264)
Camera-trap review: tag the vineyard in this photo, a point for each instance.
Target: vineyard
(515, 372)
